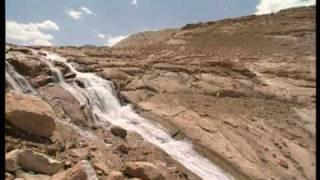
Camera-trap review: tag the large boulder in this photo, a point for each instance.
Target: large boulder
(29, 160)
(38, 162)
(26, 64)
(64, 104)
(143, 170)
(81, 171)
(29, 114)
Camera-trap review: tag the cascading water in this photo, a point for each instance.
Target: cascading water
(20, 84)
(98, 94)
(59, 76)
(17, 81)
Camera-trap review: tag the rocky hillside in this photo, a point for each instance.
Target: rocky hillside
(242, 90)
(144, 39)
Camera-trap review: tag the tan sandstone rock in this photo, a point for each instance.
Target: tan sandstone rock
(81, 171)
(31, 161)
(29, 114)
(12, 160)
(115, 175)
(26, 64)
(38, 162)
(27, 176)
(143, 170)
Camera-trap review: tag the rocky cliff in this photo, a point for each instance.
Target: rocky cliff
(242, 90)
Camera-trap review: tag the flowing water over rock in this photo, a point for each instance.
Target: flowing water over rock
(242, 89)
(98, 94)
(17, 81)
(107, 110)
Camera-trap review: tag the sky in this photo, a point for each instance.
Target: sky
(106, 22)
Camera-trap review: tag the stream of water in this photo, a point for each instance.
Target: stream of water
(17, 81)
(99, 95)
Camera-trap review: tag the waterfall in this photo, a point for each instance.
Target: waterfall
(99, 96)
(20, 84)
(17, 81)
(107, 109)
(59, 76)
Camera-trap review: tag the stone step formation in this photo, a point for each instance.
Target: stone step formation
(241, 91)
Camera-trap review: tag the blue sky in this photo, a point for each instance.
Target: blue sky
(105, 22)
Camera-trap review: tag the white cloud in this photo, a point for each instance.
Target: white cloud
(269, 6)
(102, 36)
(47, 24)
(134, 2)
(111, 41)
(31, 33)
(77, 14)
(86, 10)
(74, 14)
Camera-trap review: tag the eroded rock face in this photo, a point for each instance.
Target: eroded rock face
(301, 155)
(25, 63)
(237, 88)
(65, 105)
(30, 114)
(41, 80)
(243, 90)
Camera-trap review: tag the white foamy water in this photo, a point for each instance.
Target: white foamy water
(17, 81)
(99, 95)
(20, 84)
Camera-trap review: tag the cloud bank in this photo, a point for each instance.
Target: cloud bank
(273, 6)
(31, 33)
